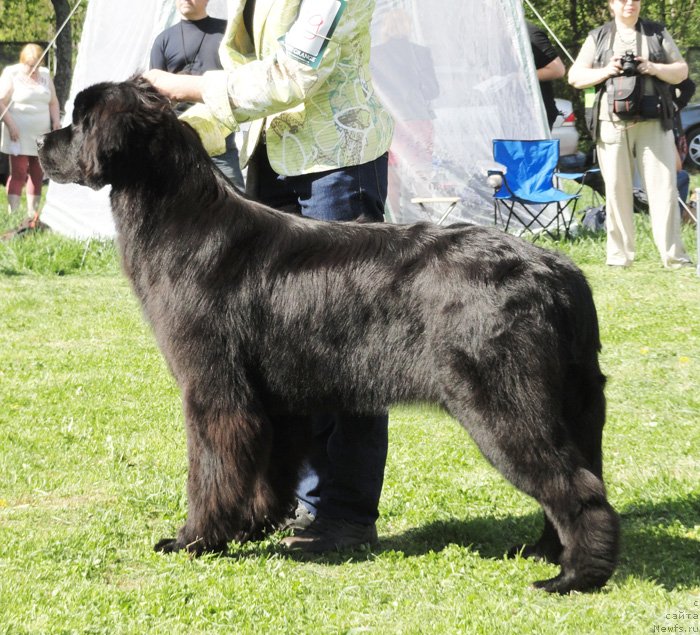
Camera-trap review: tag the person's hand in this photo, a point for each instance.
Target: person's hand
(56, 125)
(613, 67)
(645, 67)
(162, 81)
(14, 132)
(176, 87)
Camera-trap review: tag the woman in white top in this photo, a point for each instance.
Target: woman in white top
(30, 106)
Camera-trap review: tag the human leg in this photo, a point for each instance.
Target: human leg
(13, 201)
(341, 483)
(265, 185)
(345, 472)
(228, 163)
(351, 193)
(19, 167)
(614, 149)
(343, 475)
(34, 184)
(657, 157)
(342, 479)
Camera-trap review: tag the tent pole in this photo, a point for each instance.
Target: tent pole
(546, 26)
(46, 50)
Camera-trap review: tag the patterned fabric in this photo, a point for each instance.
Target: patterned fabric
(314, 119)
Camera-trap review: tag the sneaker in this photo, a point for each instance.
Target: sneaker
(331, 534)
(299, 520)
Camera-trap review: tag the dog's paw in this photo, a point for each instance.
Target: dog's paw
(195, 547)
(168, 545)
(566, 583)
(560, 584)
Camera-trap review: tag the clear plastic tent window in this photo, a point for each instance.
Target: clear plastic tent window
(455, 76)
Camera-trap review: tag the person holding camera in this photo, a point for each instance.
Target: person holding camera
(633, 64)
(317, 145)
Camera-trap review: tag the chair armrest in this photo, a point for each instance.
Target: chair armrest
(575, 175)
(495, 178)
(571, 176)
(487, 167)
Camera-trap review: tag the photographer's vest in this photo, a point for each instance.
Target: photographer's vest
(603, 37)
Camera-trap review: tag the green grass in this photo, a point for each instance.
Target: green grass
(93, 470)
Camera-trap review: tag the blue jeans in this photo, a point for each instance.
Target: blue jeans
(344, 472)
(228, 163)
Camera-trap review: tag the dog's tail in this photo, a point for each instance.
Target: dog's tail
(583, 404)
(591, 542)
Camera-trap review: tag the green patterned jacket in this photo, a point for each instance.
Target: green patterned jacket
(313, 119)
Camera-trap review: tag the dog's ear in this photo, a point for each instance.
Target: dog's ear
(101, 142)
(118, 124)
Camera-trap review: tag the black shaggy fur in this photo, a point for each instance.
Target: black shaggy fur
(266, 317)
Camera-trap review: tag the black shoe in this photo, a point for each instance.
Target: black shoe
(331, 534)
(299, 519)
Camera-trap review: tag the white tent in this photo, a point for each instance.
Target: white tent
(482, 86)
(455, 75)
(115, 44)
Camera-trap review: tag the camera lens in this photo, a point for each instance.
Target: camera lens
(629, 64)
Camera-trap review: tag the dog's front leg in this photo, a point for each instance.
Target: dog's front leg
(228, 492)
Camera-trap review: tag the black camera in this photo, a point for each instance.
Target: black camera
(629, 64)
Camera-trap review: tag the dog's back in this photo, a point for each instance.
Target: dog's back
(264, 317)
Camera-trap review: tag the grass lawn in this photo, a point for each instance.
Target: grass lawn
(93, 469)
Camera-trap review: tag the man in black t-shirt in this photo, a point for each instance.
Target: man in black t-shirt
(191, 47)
(549, 67)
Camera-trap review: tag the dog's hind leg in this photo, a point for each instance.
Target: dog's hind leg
(520, 431)
(584, 416)
(548, 546)
(596, 527)
(228, 488)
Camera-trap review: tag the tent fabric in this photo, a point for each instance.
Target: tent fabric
(455, 76)
(115, 44)
(486, 89)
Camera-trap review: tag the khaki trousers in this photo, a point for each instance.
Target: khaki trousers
(621, 146)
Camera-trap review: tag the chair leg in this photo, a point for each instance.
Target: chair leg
(497, 215)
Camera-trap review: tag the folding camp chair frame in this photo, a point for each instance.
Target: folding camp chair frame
(533, 220)
(519, 208)
(449, 201)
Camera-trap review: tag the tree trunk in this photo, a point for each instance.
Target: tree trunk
(64, 52)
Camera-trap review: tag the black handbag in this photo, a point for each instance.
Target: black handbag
(625, 96)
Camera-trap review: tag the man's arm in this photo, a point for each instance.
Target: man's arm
(177, 87)
(554, 70)
(158, 54)
(275, 83)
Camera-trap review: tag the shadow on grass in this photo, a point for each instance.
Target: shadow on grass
(650, 550)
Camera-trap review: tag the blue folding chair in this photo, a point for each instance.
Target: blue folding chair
(527, 189)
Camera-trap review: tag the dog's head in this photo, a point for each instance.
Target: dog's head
(120, 132)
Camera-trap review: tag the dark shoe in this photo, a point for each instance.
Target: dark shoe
(331, 534)
(27, 226)
(299, 520)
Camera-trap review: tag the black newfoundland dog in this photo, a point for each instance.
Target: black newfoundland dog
(266, 317)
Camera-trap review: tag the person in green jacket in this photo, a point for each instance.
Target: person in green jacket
(316, 140)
